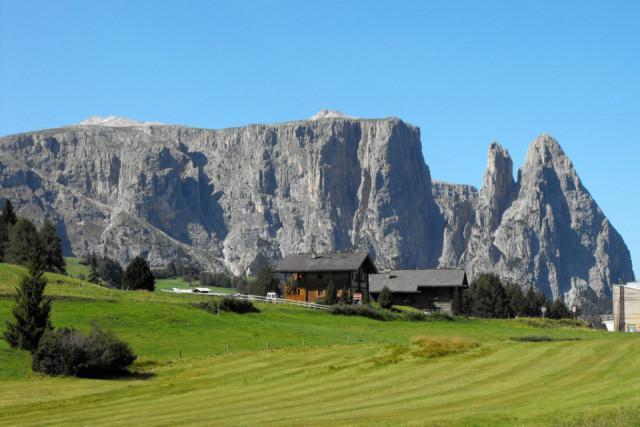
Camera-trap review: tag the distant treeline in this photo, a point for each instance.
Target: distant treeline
(22, 243)
(264, 282)
(489, 297)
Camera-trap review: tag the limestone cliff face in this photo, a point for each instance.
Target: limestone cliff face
(235, 199)
(545, 229)
(457, 203)
(232, 198)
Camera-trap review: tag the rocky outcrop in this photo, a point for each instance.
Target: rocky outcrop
(457, 203)
(234, 199)
(545, 229)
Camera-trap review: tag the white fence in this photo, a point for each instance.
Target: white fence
(310, 305)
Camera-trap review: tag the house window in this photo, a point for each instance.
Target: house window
(631, 328)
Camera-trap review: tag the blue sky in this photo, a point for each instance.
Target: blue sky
(466, 72)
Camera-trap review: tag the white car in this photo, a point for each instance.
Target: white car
(271, 296)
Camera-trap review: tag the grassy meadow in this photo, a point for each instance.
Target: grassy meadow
(291, 366)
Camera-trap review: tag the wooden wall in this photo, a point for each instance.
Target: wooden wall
(443, 299)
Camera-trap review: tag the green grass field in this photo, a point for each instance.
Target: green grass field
(290, 366)
(75, 269)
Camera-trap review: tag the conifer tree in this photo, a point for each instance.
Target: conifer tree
(489, 297)
(94, 276)
(386, 298)
(8, 213)
(32, 309)
(52, 245)
(330, 293)
(138, 275)
(24, 243)
(7, 219)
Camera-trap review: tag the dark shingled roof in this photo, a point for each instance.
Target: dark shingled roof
(300, 263)
(408, 281)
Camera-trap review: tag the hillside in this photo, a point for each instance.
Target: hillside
(235, 199)
(320, 368)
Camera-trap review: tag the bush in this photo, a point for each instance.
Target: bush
(386, 298)
(440, 346)
(416, 316)
(362, 310)
(228, 304)
(70, 353)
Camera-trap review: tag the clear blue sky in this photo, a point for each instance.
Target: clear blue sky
(466, 72)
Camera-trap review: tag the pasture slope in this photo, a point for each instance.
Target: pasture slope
(196, 368)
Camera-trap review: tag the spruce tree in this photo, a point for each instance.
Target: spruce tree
(532, 303)
(515, 299)
(489, 297)
(31, 312)
(330, 293)
(265, 281)
(8, 214)
(559, 310)
(24, 243)
(52, 245)
(7, 219)
(138, 275)
(94, 276)
(4, 239)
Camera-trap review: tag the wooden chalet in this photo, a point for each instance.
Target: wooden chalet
(431, 290)
(308, 275)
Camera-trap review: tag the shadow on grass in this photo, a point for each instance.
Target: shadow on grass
(123, 376)
(541, 338)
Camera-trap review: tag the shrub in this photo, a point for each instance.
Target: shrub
(228, 304)
(416, 316)
(237, 306)
(386, 298)
(362, 310)
(439, 346)
(70, 353)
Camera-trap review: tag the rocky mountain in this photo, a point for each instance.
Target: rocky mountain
(234, 199)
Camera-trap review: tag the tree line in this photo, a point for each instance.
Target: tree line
(20, 239)
(489, 297)
(64, 351)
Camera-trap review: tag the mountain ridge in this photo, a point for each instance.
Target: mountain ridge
(237, 198)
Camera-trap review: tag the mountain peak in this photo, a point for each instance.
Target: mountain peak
(114, 121)
(330, 114)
